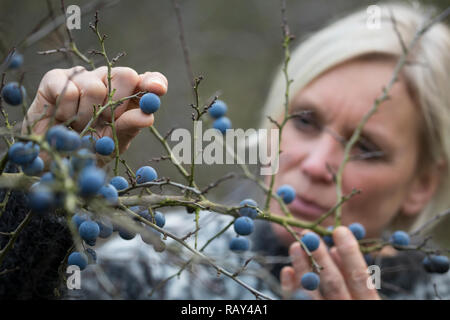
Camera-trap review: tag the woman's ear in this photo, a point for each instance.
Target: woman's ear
(422, 188)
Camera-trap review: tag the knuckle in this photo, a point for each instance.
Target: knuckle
(77, 70)
(359, 276)
(51, 74)
(55, 83)
(331, 285)
(125, 72)
(70, 93)
(93, 89)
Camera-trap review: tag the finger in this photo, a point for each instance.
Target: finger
(336, 258)
(150, 82)
(128, 126)
(124, 80)
(92, 92)
(354, 266)
(332, 283)
(299, 259)
(57, 96)
(288, 281)
(153, 82)
(38, 116)
(301, 264)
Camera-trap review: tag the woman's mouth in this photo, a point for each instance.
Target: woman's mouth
(306, 209)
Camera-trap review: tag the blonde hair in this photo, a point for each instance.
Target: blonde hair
(428, 78)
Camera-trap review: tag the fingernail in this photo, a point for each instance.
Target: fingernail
(286, 282)
(160, 82)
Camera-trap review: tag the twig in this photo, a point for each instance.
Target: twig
(216, 183)
(14, 236)
(200, 255)
(287, 38)
(187, 60)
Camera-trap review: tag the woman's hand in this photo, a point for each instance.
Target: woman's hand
(344, 274)
(78, 90)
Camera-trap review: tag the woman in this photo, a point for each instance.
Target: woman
(337, 73)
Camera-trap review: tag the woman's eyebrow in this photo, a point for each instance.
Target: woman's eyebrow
(374, 135)
(368, 133)
(299, 106)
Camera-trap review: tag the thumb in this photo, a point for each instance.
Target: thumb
(129, 124)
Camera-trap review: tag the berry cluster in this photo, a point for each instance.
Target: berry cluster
(244, 225)
(217, 111)
(311, 280)
(91, 229)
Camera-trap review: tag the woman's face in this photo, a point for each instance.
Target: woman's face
(312, 150)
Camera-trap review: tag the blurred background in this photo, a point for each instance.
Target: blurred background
(235, 45)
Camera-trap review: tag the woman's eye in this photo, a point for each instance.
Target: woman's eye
(364, 148)
(304, 121)
(367, 151)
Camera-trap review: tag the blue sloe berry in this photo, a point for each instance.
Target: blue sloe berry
(90, 180)
(23, 153)
(145, 174)
(89, 230)
(222, 124)
(244, 226)
(15, 60)
(34, 168)
(79, 218)
(310, 281)
(63, 139)
(12, 94)
(311, 241)
(436, 264)
(239, 244)
(119, 182)
(104, 146)
(329, 239)
(149, 103)
(109, 193)
(400, 238)
(247, 211)
(47, 177)
(287, 193)
(88, 142)
(106, 228)
(83, 158)
(217, 109)
(126, 234)
(78, 259)
(41, 199)
(160, 219)
(358, 230)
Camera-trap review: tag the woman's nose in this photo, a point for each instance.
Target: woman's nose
(323, 159)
